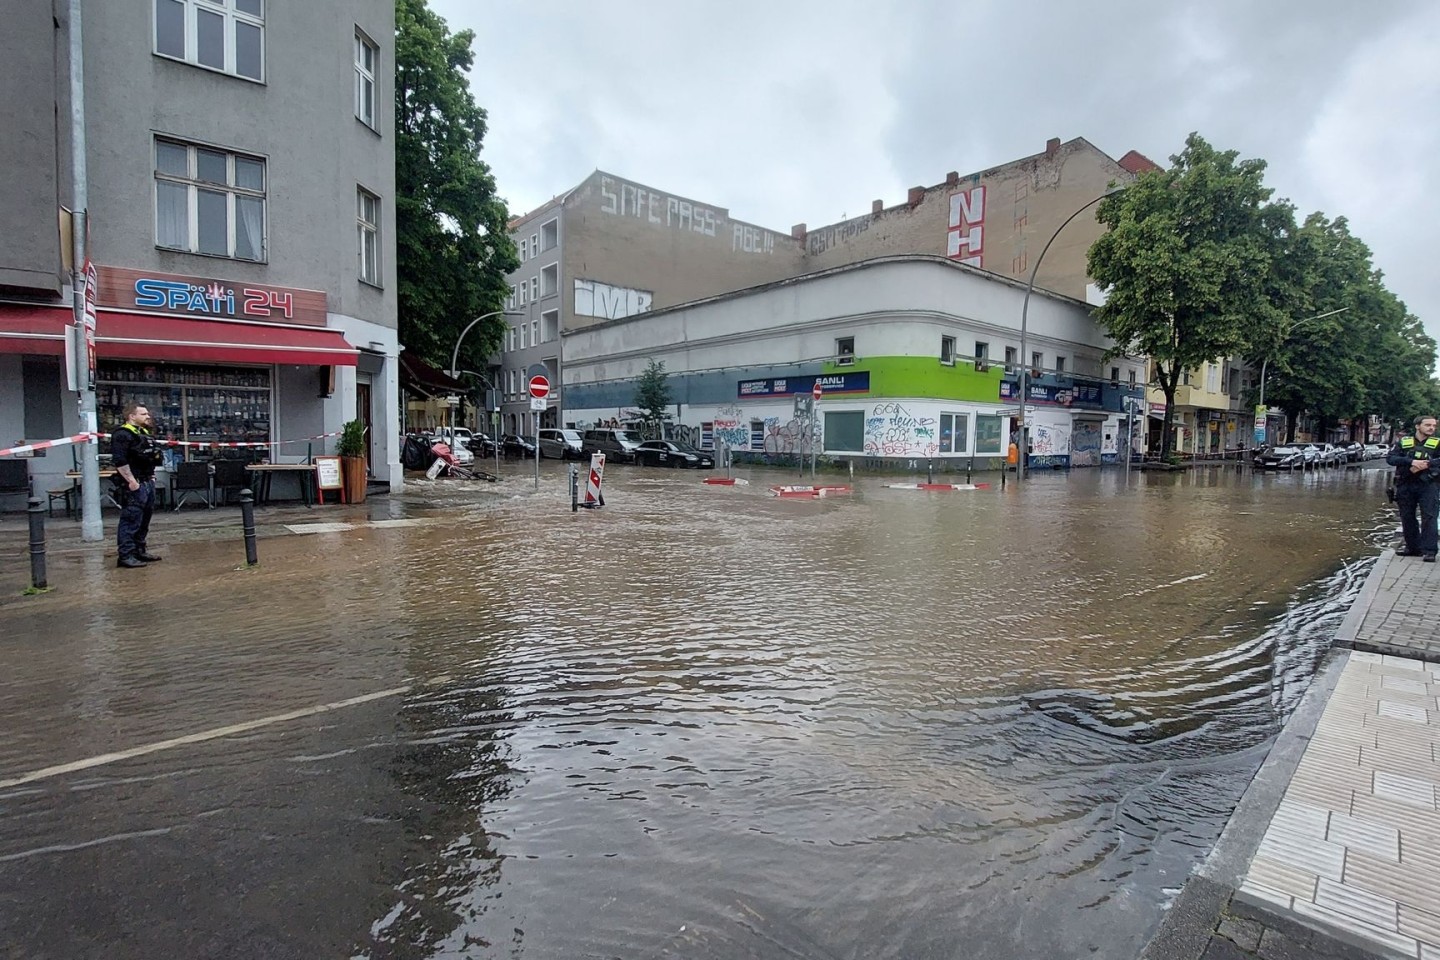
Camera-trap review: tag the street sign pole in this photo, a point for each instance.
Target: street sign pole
(539, 391)
(815, 394)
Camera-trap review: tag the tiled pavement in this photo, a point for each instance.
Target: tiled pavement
(1347, 864)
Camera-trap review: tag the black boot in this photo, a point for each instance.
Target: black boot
(147, 556)
(130, 562)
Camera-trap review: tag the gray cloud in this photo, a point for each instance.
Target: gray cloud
(805, 110)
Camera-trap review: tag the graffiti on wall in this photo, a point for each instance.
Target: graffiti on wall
(748, 239)
(789, 437)
(1085, 445)
(730, 429)
(622, 199)
(893, 431)
(823, 239)
(965, 240)
(595, 299)
(1050, 440)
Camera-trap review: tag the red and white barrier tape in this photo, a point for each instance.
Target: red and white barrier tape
(83, 437)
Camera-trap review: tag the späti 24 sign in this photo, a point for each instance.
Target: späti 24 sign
(209, 298)
(830, 384)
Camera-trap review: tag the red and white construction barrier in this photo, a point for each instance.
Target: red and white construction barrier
(593, 497)
(83, 437)
(807, 492)
(726, 481)
(938, 486)
(30, 448)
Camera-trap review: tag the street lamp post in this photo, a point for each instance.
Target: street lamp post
(1264, 411)
(491, 389)
(454, 371)
(1024, 359)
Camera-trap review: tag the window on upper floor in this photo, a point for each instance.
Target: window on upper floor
(1011, 355)
(550, 325)
(524, 250)
(1037, 363)
(549, 235)
(1115, 376)
(209, 201)
(1132, 376)
(534, 289)
(844, 350)
(522, 336)
(224, 35)
(947, 350)
(534, 333)
(534, 244)
(367, 58)
(550, 280)
(367, 226)
(524, 288)
(1212, 377)
(510, 340)
(1059, 364)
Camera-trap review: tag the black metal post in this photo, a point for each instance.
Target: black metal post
(247, 521)
(929, 471)
(574, 489)
(37, 543)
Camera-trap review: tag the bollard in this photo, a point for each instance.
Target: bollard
(37, 543)
(247, 521)
(574, 489)
(929, 471)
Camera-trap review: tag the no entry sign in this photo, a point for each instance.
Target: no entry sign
(539, 387)
(815, 391)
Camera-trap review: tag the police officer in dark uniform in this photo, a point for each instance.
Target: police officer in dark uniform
(135, 455)
(1417, 484)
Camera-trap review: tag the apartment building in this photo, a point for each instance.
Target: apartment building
(241, 196)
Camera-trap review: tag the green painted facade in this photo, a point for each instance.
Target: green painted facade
(926, 378)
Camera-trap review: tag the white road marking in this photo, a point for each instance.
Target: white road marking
(218, 732)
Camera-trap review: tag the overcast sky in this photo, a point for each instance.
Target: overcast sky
(790, 111)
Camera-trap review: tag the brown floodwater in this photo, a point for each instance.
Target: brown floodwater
(701, 722)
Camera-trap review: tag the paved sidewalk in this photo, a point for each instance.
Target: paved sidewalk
(1334, 851)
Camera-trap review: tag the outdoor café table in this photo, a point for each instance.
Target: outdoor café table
(74, 477)
(265, 473)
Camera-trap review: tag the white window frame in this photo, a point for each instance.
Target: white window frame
(844, 357)
(365, 79)
(194, 185)
(231, 14)
(947, 350)
(535, 288)
(510, 340)
(522, 336)
(523, 288)
(367, 230)
(534, 244)
(1059, 364)
(982, 356)
(524, 250)
(955, 417)
(535, 332)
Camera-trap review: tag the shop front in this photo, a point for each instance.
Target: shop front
(216, 362)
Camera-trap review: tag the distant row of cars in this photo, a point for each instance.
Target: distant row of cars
(618, 444)
(1297, 456)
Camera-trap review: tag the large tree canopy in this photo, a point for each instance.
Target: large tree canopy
(452, 243)
(1187, 263)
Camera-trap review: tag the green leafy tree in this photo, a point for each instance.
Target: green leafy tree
(453, 249)
(652, 392)
(1186, 260)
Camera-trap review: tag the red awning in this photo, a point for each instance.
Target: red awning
(141, 336)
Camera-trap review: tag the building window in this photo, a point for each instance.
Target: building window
(550, 235)
(224, 35)
(367, 226)
(367, 55)
(522, 336)
(989, 431)
(550, 280)
(550, 325)
(1115, 376)
(524, 288)
(1010, 360)
(844, 350)
(1037, 363)
(510, 340)
(1059, 364)
(947, 350)
(524, 250)
(1132, 376)
(534, 333)
(209, 201)
(954, 428)
(757, 434)
(1212, 378)
(534, 244)
(982, 354)
(844, 431)
(534, 289)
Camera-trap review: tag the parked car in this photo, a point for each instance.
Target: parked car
(1280, 458)
(514, 445)
(461, 442)
(561, 444)
(1376, 451)
(616, 444)
(672, 453)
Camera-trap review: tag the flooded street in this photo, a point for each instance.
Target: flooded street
(702, 722)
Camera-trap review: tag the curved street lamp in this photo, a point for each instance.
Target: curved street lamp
(454, 371)
(1264, 411)
(1024, 360)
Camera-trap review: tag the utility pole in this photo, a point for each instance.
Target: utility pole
(92, 527)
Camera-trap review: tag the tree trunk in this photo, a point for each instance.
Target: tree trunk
(1167, 429)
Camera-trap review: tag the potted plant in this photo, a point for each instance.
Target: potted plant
(351, 450)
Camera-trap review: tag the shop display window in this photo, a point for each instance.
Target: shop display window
(191, 402)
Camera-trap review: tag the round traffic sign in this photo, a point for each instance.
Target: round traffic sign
(539, 387)
(815, 391)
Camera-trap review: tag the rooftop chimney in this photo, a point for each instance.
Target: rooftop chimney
(877, 206)
(916, 195)
(798, 232)
(1052, 146)
(952, 179)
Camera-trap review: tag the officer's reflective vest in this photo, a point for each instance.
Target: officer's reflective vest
(147, 447)
(1426, 449)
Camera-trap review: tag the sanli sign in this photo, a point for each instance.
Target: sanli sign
(205, 298)
(830, 383)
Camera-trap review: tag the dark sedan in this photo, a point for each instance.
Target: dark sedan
(1280, 458)
(672, 453)
(514, 445)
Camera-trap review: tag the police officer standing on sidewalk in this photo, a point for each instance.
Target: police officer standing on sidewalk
(136, 455)
(1417, 484)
